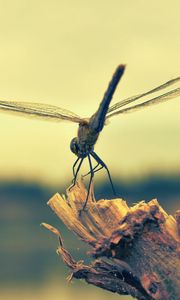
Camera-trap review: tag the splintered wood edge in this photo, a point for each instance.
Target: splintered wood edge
(94, 223)
(102, 218)
(169, 222)
(60, 206)
(108, 221)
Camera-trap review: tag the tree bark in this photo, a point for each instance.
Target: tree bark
(135, 249)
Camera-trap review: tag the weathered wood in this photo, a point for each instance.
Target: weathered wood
(135, 249)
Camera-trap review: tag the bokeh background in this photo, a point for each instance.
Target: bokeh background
(64, 53)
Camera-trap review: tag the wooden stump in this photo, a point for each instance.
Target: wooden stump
(135, 249)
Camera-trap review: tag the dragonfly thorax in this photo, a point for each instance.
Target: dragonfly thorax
(80, 149)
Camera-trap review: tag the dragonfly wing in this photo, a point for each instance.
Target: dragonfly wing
(159, 99)
(129, 100)
(39, 111)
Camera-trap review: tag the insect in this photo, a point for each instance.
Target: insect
(89, 128)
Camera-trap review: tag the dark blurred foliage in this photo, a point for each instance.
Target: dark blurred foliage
(27, 251)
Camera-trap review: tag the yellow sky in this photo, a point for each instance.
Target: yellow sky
(64, 53)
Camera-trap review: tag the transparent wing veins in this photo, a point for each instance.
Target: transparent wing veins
(129, 100)
(40, 111)
(159, 99)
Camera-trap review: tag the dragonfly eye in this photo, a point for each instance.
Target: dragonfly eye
(74, 146)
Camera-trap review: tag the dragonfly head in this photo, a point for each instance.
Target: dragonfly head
(79, 149)
(74, 146)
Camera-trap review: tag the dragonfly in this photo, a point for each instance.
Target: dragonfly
(89, 128)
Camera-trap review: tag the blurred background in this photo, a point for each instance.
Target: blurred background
(64, 53)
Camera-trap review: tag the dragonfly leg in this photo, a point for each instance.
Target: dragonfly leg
(75, 165)
(103, 165)
(100, 168)
(76, 173)
(94, 170)
(90, 181)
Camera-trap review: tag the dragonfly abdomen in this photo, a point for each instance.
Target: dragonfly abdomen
(97, 120)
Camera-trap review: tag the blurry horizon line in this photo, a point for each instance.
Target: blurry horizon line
(122, 179)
